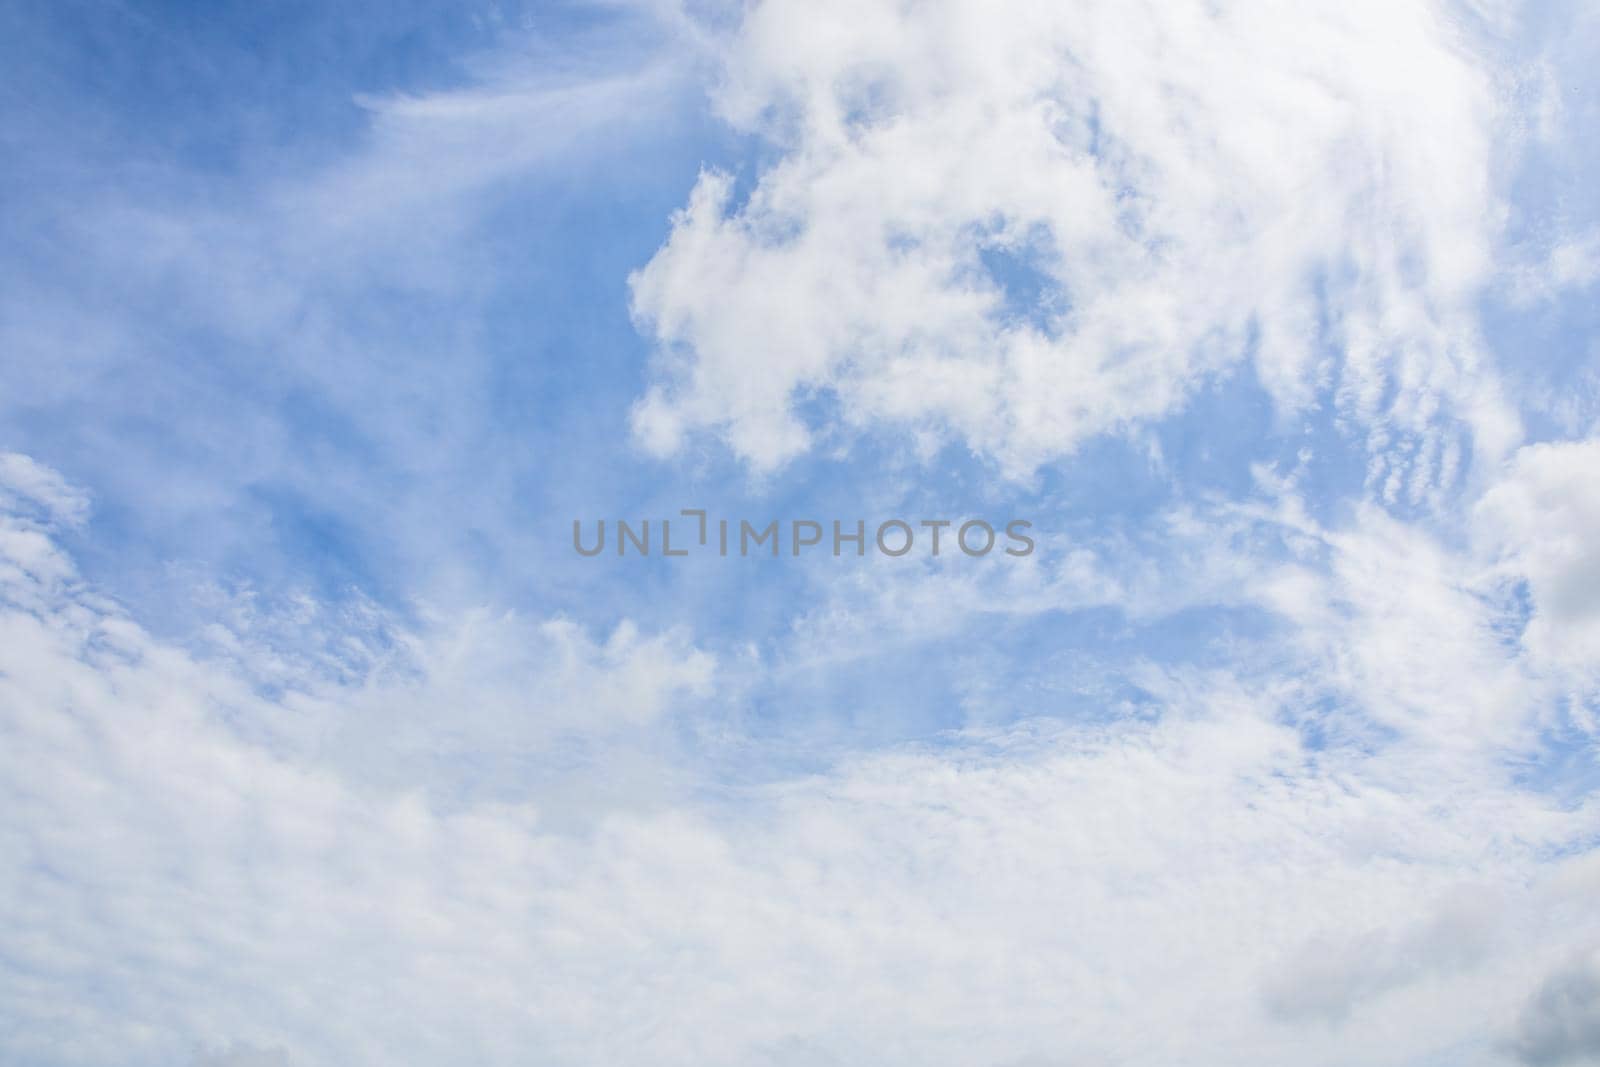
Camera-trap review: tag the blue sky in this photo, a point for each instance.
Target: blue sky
(320, 324)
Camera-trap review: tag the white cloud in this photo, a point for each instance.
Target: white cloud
(1386, 627)
(1178, 182)
(1131, 891)
(1541, 519)
(475, 706)
(1571, 263)
(28, 486)
(1405, 631)
(476, 838)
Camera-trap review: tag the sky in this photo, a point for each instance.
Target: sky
(322, 325)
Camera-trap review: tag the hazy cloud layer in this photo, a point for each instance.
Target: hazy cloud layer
(1130, 890)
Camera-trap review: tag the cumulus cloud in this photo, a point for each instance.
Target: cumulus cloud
(1028, 230)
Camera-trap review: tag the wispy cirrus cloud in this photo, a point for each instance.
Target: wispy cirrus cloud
(327, 325)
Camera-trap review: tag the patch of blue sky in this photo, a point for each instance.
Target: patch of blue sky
(230, 87)
(442, 421)
(1563, 763)
(1542, 319)
(1029, 294)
